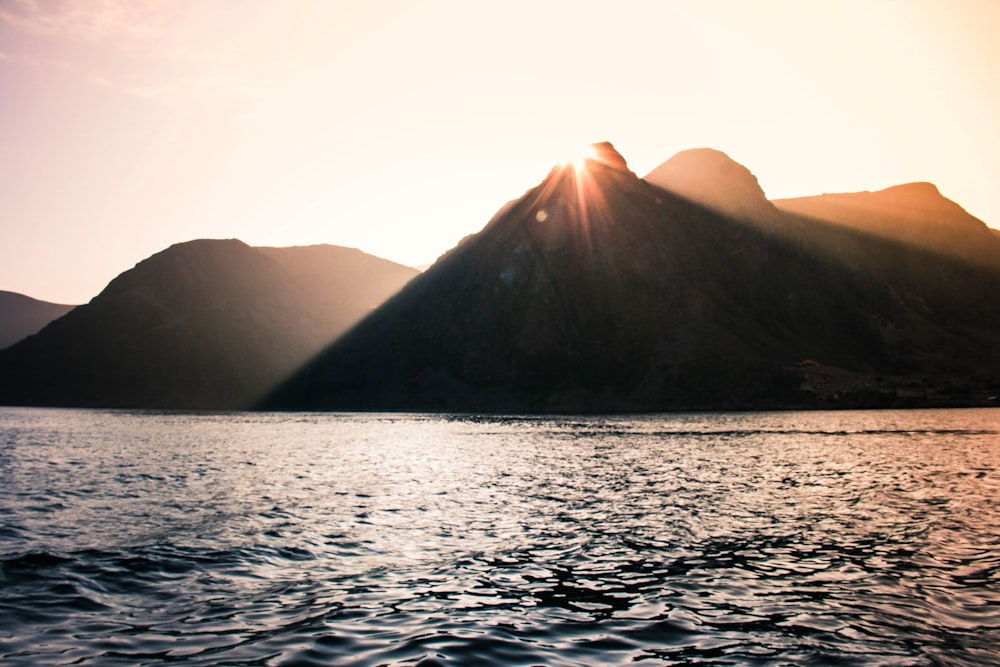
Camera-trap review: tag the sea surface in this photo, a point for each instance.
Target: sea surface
(837, 538)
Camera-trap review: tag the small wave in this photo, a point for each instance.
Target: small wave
(392, 540)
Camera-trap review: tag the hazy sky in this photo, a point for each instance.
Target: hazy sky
(400, 127)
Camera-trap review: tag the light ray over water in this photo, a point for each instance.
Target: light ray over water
(794, 538)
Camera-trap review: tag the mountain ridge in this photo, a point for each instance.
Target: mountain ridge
(916, 213)
(600, 291)
(595, 291)
(208, 324)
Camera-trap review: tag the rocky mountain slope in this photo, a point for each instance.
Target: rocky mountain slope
(598, 290)
(204, 324)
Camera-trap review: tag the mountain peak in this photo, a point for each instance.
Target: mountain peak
(713, 179)
(917, 188)
(605, 153)
(916, 195)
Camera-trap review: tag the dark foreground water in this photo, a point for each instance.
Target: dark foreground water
(862, 538)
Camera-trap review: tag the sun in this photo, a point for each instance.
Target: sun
(579, 163)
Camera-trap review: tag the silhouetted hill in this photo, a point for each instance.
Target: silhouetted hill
(21, 316)
(203, 324)
(601, 291)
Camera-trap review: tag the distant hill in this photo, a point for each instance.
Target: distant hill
(601, 291)
(204, 324)
(913, 213)
(711, 178)
(21, 316)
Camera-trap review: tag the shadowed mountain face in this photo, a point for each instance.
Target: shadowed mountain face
(204, 324)
(22, 316)
(598, 291)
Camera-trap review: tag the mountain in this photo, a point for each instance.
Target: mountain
(601, 291)
(713, 179)
(205, 324)
(21, 316)
(855, 228)
(913, 213)
(916, 214)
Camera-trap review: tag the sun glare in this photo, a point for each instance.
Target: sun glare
(579, 163)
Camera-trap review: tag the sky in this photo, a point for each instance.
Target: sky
(399, 127)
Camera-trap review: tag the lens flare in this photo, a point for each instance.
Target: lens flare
(579, 163)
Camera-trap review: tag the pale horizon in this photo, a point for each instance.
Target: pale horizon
(399, 128)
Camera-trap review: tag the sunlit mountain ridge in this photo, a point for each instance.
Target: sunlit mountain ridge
(712, 178)
(601, 291)
(913, 213)
(596, 290)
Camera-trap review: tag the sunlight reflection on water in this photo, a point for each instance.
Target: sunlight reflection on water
(140, 538)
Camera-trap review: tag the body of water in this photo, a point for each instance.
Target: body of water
(847, 538)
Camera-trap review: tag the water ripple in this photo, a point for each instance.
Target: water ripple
(755, 539)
